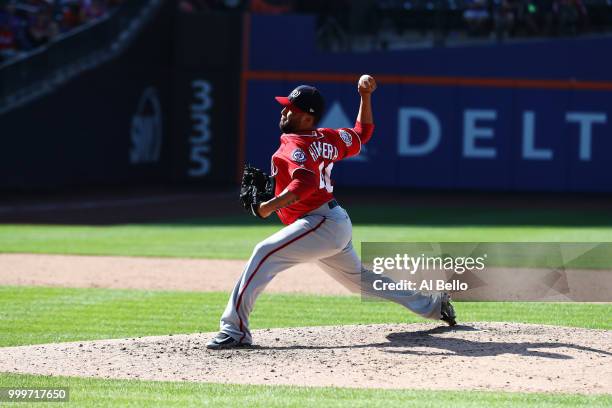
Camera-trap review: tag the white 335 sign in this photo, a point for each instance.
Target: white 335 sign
(201, 134)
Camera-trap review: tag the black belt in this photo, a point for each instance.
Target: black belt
(331, 204)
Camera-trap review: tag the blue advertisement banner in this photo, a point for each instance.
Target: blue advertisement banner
(446, 137)
(509, 125)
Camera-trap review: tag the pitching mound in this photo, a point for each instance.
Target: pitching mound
(477, 356)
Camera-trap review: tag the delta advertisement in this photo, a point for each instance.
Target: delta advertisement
(535, 129)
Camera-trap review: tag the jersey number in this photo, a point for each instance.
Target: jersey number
(325, 181)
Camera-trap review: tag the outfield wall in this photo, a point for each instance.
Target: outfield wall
(174, 102)
(534, 116)
(144, 104)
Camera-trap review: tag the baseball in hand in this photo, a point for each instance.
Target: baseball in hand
(366, 84)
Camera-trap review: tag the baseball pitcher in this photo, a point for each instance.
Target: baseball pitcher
(317, 229)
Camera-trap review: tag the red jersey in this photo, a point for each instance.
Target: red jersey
(315, 151)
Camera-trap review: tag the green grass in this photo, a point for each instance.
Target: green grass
(234, 237)
(30, 315)
(41, 315)
(98, 392)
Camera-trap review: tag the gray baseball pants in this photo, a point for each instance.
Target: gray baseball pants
(322, 236)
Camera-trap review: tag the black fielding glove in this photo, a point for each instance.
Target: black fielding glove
(256, 187)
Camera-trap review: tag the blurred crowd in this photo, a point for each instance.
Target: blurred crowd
(511, 18)
(471, 18)
(28, 24)
(256, 6)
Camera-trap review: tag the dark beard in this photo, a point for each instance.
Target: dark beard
(287, 127)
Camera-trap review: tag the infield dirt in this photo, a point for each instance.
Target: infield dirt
(118, 272)
(472, 356)
(206, 275)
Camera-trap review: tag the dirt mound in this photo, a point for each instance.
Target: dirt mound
(475, 356)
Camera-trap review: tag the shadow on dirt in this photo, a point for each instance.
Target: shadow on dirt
(454, 346)
(472, 348)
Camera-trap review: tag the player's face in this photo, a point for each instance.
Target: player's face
(288, 120)
(291, 121)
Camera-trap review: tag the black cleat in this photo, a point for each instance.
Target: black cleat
(447, 311)
(224, 341)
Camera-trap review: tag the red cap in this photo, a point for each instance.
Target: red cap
(304, 98)
(285, 101)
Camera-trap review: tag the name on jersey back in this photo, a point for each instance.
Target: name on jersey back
(321, 149)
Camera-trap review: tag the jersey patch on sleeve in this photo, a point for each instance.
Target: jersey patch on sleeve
(298, 155)
(346, 137)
